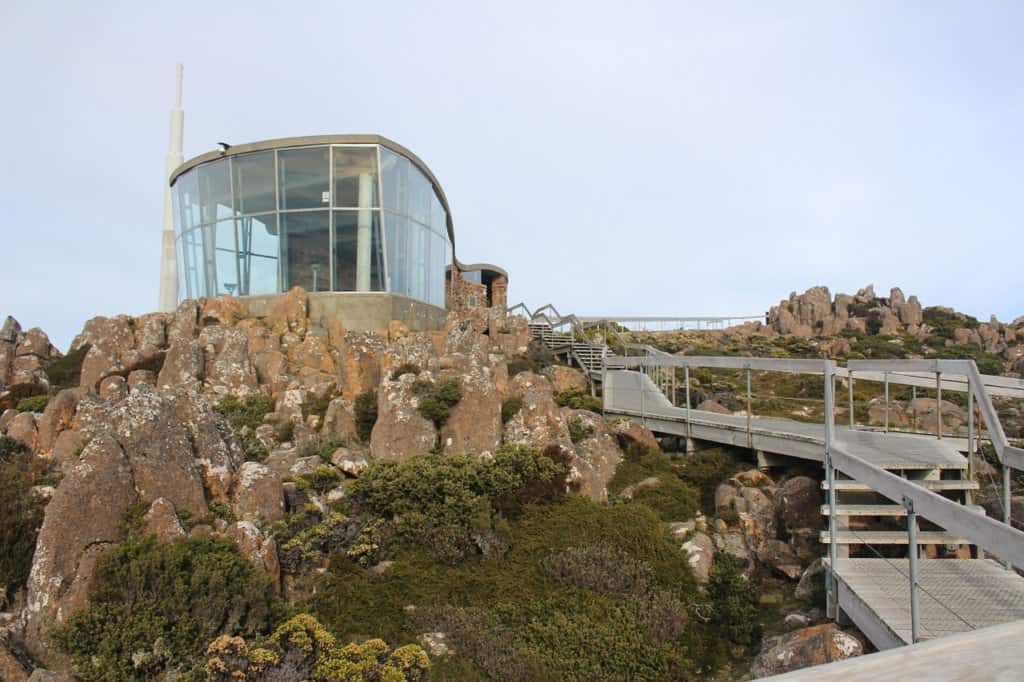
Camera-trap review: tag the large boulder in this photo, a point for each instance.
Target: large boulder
(226, 366)
(474, 424)
(630, 433)
(162, 521)
(156, 442)
(595, 457)
(259, 495)
(539, 422)
(798, 500)
(806, 647)
(400, 431)
(566, 378)
(84, 519)
(700, 554)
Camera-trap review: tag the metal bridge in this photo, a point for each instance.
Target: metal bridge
(898, 480)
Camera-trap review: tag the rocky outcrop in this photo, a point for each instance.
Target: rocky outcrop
(23, 358)
(595, 457)
(259, 494)
(85, 518)
(806, 647)
(400, 431)
(539, 422)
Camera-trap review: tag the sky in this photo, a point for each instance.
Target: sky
(627, 158)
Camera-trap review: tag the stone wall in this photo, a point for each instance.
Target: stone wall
(463, 294)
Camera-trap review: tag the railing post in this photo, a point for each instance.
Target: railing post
(938, 404)
(640, 378)
(913, 407)
(832, 583)
(849, 381)
(686, 379)
(970, 431)
(750, 435)
(1007, 516)
(886, 383)
(915, 612)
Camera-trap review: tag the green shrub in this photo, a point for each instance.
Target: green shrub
(34, 404)
(579, 430)
(157, 606)
(323, 479)
(316, 405)
(21, 515)
(309, 536)
(405, 368)
(578, 399)
(672, 499)
(637, 464)
(245, 415)
(705, 470)
(437, 399)
(328, 448)
(733, 600)
(602, 567)
(510, 408)
(365, 408)
(454, 506)
(66, 371)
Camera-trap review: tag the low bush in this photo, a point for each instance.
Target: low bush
(365, 408)
(308, 537)
(705, 470)
(579, 430)
(405, 368)
(518, 365)
(733, 600)
(637, 464)
(21, 515)
(323, 479)
(316, 404)
(672, 499)
(36, 403)
(455, 506)
(510, 408)
(437, 399)
(601, 567)
(155, 606)
(245, 415)
(66, 371)
(578, 399)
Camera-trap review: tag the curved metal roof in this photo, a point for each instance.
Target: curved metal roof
(315, 140)
(473, 267)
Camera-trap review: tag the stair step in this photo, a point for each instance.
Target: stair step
(891, 537)
(927, 484)
(866, 510)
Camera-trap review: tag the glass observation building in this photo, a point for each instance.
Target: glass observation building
(338, 213)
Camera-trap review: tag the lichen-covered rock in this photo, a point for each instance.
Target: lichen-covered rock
(400, 431)
(23, 428)
(113, 388)
(340, 421)
(162, 521)
(474, 424)
(261, 550)
(259, 495)
(806, 647)
(110, 340)
(539, 422)
(183, 365)
(798, 500)
(158, 446)
(215, 448)
(595, 457)
(700, 555)
(12, 669)
(566, 378)
(630, 433)
(226, 366)
(84, 519)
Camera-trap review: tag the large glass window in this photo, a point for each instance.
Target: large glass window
(305, 250)
(355, 177)
(214, 191)
(358, 256)
(254, 185)
(342, 217)
(305, 178)
(258, 245)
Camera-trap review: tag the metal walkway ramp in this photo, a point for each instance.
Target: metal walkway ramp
(896, 477)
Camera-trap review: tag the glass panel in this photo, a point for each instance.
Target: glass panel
(437, 215)
(438, 249)
(355, 177)
(305, 250)
(346, 250)
(395, 178)
(420, 193)
(226, 258)
(419, 257)
(304, 178)
(258, 243)
(186, 200)
(396, 229)
(214, 191)
(255, 190)
(192, 263)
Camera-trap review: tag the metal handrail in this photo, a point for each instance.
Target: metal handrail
(1008, 454)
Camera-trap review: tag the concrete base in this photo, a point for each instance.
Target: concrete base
(360, 311)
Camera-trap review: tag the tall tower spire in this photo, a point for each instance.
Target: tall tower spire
(168, 251)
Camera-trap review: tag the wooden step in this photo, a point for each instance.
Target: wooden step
(866, 510)
(891, 537)
(927, 484)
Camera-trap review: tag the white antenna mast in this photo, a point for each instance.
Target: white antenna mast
(168, 252)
